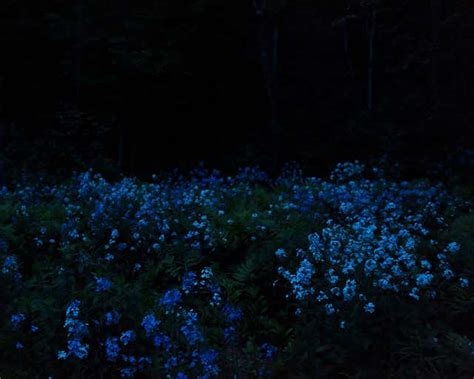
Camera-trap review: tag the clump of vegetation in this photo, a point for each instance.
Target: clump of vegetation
(204, 276)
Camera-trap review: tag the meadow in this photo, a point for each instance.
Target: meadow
(200, 275)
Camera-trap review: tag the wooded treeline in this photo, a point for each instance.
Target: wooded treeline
(153, 84)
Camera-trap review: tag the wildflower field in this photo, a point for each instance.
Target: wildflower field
(357, 275)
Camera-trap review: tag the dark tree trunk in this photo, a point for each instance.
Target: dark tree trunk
(436, 8)
(371, 20)
(274, 96)
(268, 42)
(77, 50)
(123, 112)
(5, 130)
(2, 134)
(346, 49)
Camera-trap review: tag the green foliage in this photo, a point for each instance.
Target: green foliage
(245, 224)
(462, 230)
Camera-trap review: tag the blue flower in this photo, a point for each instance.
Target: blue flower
(171, 298)
(206, 273)
(369, 308)
(189, 281)
(112, 349)
(102, 284)
(16, 319)
(171, 362)
(208, 361)
(268, 350)
(322, 296)
(190, 329)
(77, 348)
(76, 330)
(137, 267)
(10, 266)
(424, 280)
(415, 293)
(370, 265)
(280, 254)
(128, 372)
(330, 309)
(19, 346)
(447, 274)
(463, 282)
(129, 358)
(231, 313)
(453, 247)
(72, 310)
(111, 318)
(349, 290)
(144, 361)
(301, 281)
(425, 264)
(162, 339)
(127, 337)
(150, 323)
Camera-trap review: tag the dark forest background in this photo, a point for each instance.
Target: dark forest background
(145, 85)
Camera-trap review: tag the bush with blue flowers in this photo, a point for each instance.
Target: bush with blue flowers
(203, 275)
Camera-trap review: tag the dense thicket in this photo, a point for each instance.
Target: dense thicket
(152, 84)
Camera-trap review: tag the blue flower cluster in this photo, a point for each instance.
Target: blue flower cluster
(103, 284)
(112, 349)
(370, 243)
(194, 356)
(130, 364)
(112, 318)
(76, 331)
(10, 267)
(170, 299)
(127, 337)
(17, 319)
(154, 264)
(150, 324)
